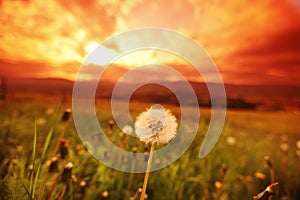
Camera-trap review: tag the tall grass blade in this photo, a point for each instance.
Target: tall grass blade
(46, 145)
(33, 159)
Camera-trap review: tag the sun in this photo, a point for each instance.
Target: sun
(99, 54)
(91, 47)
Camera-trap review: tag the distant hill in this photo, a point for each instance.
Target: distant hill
(258, 94)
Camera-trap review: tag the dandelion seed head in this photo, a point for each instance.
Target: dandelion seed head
(156, 125)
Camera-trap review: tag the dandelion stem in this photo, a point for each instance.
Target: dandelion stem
(61, 136)
(49, 196)
(147, 172)
(43, 187)
(62, 192)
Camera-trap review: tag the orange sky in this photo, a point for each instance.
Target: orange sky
(252, 42)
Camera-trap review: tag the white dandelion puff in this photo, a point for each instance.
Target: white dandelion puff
(156, 125)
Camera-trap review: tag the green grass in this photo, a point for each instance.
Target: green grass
(30, 131)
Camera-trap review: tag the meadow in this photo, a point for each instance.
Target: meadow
(42, 157)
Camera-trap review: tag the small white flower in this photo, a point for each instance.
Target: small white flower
(127, 129)
(231, 140)
(156, 125)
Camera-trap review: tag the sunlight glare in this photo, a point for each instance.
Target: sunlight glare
(91, 47)
(99, 54)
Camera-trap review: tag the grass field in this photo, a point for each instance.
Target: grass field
(31, 168)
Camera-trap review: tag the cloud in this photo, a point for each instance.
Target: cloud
(54, 31)
(257, 40)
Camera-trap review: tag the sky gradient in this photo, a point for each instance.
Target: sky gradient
(251, 42)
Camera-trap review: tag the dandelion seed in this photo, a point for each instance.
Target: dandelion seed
(240, 177)
(74, 178)
(19, 148)
(231, 140)
(82, 186)
(298, 152)
(298, 144)
(63, 148)
(284, 147)
(111, 124)
(268, 162)
(67, 173)
(121, 134)
(127, 129)
(156, 125)
(41, 121)
(53, 165)
(248, 179)
(284, 138)
(223, 169)
(260, 175)
(270, 167)
(30, 167)
(66, 115)
(218, 185)
(49, 111)
(105, 194)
